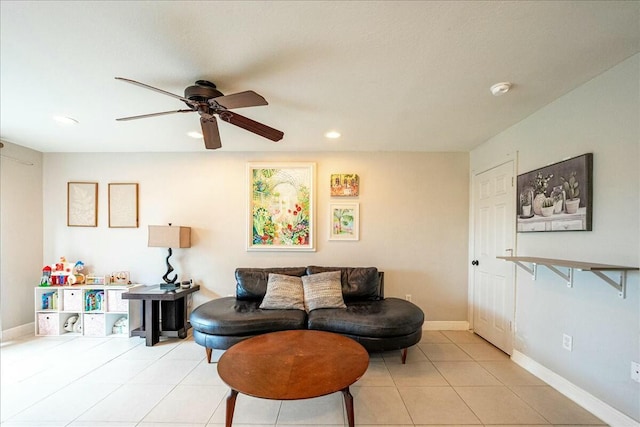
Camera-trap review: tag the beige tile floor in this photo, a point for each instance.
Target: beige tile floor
(451, 378)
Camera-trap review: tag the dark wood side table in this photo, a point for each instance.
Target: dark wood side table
(172, 305)
(290, 365)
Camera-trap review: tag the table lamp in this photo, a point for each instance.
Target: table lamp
(167, 236)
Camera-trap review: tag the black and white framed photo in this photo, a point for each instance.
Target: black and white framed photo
(558, 197)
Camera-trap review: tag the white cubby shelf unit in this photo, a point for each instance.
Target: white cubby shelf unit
(98, 308)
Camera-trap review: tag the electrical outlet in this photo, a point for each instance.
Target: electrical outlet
(635, 371)
(408, 297)
(567, 342)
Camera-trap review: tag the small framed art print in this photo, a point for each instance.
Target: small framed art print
(345, 185)
(344, 221)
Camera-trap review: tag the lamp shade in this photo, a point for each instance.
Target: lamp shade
(167, 236)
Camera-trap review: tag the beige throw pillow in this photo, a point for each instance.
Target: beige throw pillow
(323, 290)
(283, 292)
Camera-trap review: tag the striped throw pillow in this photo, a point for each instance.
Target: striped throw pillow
(323, 290)
(283, 292)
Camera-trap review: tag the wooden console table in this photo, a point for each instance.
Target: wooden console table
(597, 269)
(173, 306)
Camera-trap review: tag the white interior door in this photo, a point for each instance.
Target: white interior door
(493, 282)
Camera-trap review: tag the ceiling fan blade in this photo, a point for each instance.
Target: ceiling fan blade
(241, 99)
(251, 125)
(210, 133)
(155, 89)
(144, 116)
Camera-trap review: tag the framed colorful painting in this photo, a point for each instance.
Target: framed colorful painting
(344, 221)
(281, 206)
(345, 184)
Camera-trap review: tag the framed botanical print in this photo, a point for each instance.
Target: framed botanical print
(344, 221)
(82, 204)
(281, 206)
(123, 205)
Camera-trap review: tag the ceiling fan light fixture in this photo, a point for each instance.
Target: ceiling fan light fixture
(333, 134)
(65, 120)
(204, 99)
(500, 89)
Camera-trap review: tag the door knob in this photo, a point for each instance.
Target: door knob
(475, 262)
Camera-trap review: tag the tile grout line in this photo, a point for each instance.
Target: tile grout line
(128, 349)
(413, 423)
(504, 385)
(458, 394)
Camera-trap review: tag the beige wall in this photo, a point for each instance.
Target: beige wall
(21, 233)
(413, 219)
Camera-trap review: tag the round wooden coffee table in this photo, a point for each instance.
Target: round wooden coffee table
(292, 365)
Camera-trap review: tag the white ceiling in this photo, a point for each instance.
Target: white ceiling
(408, 76)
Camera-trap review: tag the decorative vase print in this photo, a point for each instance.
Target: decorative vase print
(537, 203)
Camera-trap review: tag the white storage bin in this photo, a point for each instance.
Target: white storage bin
(115, 301)
(93, 325)
(48, 323)
(72, 300)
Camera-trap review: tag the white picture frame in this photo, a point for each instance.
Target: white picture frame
(281, 206)
(344, 220)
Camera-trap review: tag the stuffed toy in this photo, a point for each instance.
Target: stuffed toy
(69, 324)
(77, 326)
(120, 326)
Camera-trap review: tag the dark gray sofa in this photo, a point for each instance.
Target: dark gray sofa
(376, 322)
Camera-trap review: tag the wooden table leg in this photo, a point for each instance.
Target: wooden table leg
(348, 403)
(151, 322)
(231, 406)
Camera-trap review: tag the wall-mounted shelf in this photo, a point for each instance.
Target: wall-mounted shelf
(552, 264)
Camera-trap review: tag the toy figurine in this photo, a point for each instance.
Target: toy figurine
(45, 279)
(77, 272)
(63, 273)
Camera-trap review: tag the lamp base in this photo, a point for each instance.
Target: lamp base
(166, 277)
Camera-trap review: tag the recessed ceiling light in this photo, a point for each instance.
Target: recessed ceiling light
(501, 88)
(65, 120)
(332, 134)
(194, 134)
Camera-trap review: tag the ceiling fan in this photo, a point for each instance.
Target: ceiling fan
(207, 101)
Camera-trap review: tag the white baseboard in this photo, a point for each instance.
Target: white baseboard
(445, 325)
(597, 407)
(17, 332)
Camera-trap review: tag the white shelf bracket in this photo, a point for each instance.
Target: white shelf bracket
(567, 277)
(620, 286)
(554, 264)
(531, 270)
